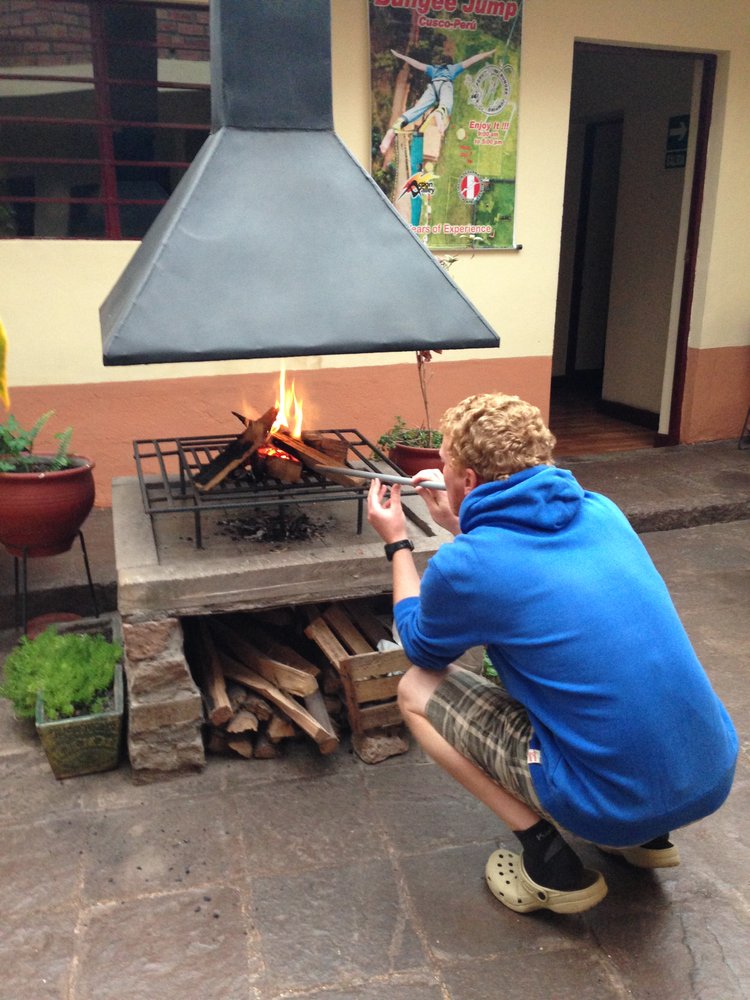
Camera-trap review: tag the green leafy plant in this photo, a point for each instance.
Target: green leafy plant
(418, 437)
(17, 445)
(73, 671)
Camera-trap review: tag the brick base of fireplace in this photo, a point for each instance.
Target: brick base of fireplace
(162, 577)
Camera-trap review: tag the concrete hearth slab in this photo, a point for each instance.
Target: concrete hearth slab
(161, 571)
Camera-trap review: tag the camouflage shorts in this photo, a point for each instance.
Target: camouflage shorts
(480, 719)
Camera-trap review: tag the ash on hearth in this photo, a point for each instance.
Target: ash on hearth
(285, 525)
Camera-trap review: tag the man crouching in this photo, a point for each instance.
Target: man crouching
(603, 722)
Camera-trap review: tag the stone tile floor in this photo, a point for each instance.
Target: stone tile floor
(323, 877)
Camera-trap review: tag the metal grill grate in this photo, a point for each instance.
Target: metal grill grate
(167, 468)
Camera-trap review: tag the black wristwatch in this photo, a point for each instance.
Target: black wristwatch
(392, 547)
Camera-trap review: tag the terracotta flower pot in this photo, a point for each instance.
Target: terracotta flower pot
(42, 512)
(411, 459)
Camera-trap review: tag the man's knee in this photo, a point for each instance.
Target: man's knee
(416, 688)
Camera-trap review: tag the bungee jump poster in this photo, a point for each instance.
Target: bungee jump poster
(445, 78)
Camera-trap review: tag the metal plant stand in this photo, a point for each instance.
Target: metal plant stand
(20, 570)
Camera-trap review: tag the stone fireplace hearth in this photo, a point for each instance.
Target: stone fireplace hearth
(162, 578)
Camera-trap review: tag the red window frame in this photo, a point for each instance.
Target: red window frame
(104, 123)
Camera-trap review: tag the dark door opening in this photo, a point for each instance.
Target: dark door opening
(630, 220)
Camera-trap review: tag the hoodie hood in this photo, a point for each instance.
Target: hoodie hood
(541, 499)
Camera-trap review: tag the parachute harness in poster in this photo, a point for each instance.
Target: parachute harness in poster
(445, 85)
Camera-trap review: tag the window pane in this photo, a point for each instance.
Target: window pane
(88, 141)
(38, 200)
(47, 99)
(147, 103)
(136, 181)
(34, 140)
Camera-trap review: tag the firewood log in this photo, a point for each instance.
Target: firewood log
(237, 695)
(264, 749)
(287, 678)
(218, 705)
(316, 706)
(220, 742)
(258, 706)
(346, 631)
(311, 457)
(323, 637)
(237, 452)
(279, 729)
(248, 626)
(243, 722)
(334, 447)
(285, 469)
(242, 746)
(368, 623)
(326, 740)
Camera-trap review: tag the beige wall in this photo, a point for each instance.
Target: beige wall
(50, 291)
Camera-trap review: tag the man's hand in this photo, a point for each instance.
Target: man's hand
(437, 501)
(384, 511)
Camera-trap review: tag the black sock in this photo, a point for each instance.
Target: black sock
(548, 860)
(659, 843)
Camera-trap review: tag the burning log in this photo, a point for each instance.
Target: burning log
(278, 464)
(334, 447)
(237, 452)
(311, 457)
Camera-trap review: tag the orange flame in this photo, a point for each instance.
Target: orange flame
(290, 408)
(269, 451)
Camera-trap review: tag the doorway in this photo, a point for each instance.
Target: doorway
(633, 190)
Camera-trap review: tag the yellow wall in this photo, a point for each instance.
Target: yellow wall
(50, 291)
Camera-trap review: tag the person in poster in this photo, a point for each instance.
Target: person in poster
(438, 94)
(445, 154)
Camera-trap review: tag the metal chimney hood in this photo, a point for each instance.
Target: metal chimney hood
(276, 243)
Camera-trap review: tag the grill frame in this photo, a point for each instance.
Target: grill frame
(167, 467)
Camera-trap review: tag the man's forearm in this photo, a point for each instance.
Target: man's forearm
(405, 576)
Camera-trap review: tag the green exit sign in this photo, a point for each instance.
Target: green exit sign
(677, 141)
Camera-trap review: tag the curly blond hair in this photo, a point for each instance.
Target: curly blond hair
(496, 435)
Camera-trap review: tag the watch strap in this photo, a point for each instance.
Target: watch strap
(391, 547)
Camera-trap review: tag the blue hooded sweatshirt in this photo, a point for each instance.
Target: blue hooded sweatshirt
(633, 742)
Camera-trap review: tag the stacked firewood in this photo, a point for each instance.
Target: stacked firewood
(327, 674)
(257, 691)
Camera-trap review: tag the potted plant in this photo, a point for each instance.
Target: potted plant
(415, 448)
(44, 498)
(69, 680)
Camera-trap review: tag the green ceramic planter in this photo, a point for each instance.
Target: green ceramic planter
(86, 744)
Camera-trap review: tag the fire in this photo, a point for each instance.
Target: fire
(290, 408)
(268, 451)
